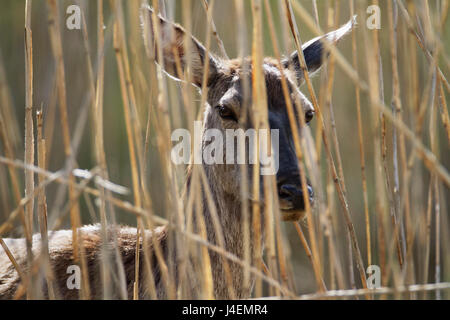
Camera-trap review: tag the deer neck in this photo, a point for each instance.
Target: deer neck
(229, 214)
(228, 208)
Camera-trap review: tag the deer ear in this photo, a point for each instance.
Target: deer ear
(315, 51)
(176, 44)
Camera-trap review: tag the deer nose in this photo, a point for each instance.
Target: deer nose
(294, 195)
(309, 115)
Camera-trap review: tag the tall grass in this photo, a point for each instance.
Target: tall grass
(377, 152)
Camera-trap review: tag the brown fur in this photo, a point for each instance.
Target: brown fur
(61, 256)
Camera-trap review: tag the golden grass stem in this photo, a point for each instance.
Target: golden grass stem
(42, 206)
(29, 137)
(361, 146)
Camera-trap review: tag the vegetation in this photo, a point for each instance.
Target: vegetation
(86, 118)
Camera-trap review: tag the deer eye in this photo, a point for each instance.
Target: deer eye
(226, 113)
(309, 115)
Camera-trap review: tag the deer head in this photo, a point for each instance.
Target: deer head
(227, 101)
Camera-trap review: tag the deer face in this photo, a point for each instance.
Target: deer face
(228, 107)
(229, 99)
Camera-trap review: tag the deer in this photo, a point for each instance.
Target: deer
(223, 109)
